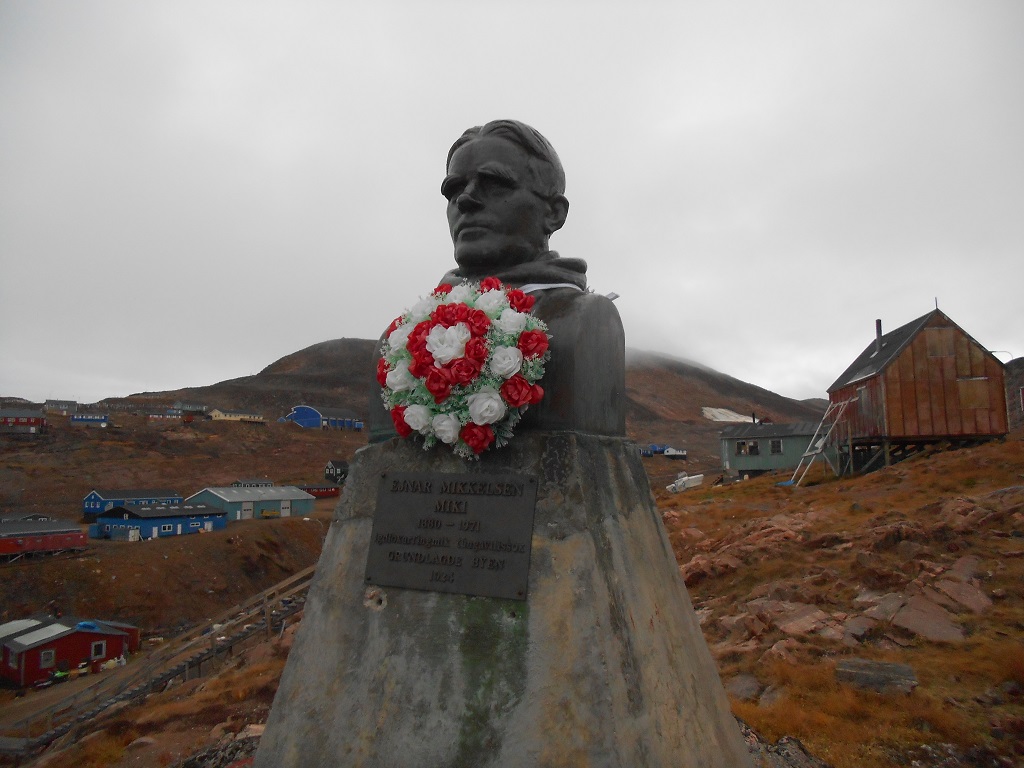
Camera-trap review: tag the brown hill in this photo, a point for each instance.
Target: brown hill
(664, 395)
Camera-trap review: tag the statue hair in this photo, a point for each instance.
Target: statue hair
(549, 173)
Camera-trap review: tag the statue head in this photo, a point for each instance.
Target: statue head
(505, 190)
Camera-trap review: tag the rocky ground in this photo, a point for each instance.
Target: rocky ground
(872, 621)
(878, 619)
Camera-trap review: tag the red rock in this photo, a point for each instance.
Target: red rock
(932, 622)
(968, 596)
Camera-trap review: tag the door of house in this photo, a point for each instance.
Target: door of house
(286, 507)
(247, 510)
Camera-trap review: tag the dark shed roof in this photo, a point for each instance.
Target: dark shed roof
(871, 361)
(36, 527)
(764, 431)
(150, 512)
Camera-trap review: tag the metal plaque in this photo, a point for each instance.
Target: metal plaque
(468, 534)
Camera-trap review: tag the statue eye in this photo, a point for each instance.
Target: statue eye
(496, 183)
(452, 188)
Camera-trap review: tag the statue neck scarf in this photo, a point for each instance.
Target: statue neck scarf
(547, 269)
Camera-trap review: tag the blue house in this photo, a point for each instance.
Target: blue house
(132, 522)
(753, 449)
(97, 501)
(90, 419)
(312, 417)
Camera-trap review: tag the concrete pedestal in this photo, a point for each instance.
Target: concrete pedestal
(603, 665)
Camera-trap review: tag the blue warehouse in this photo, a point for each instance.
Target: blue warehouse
(133, 522)
(312, 417)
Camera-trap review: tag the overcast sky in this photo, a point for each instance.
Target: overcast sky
(191, 190)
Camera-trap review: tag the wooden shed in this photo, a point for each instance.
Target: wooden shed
(925, 382)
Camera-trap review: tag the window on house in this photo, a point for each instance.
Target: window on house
(166, 528)
(973, 392)
(12, 660)
(194, 525)
(741, 447)
(99, 649)
(47, 658)
(776, 447)
(941, 342)
(753, 449)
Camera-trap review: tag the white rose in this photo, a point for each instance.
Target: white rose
(399, 379)
(486, 406)
(421, 309)
(491, 303)
(512, 321)
(418, 418)
(400, 336)
(505, 362)
(446, 427)
(460, 294)
(446, 344)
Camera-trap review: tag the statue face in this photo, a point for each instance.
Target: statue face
(495, 217)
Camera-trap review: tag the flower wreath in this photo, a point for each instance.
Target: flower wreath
(462, 365)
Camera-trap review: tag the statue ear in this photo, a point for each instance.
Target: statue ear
(558, 209)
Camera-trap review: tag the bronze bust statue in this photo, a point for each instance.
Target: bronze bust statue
(505, 189)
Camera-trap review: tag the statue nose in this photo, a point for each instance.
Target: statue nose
(468, 201)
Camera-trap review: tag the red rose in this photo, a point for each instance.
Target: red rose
(536, 394)
(462, 370)
(478, 321)
(422, 364)
(398, 416)
(490, 284)
(391, 328)
(516, 391)
(519, 301)
(418, 338)
(443, 288)
(438, 383)
(476, 349)
(533, 343)
(448, 315)
(477, 436)
(382, 372)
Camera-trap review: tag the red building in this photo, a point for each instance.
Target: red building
(34, 648)
(20, 538)
(21, 420)
(926, 382)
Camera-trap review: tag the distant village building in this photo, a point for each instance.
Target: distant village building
(247, 417)
(1015, 393)
(336, 471)
(31, 537)
(194, 408)
(100, 420)
(134, 522)
(753, 449)
(165, 414)
(252, 482)
(97, 500)
(925, 382)
(22, 421)
(255, 503)
(317, 417)
(33, 649)
(61, 407)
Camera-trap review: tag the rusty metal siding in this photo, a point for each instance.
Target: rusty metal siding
(943, 384)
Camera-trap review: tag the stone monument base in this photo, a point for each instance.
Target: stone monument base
(602, 665)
